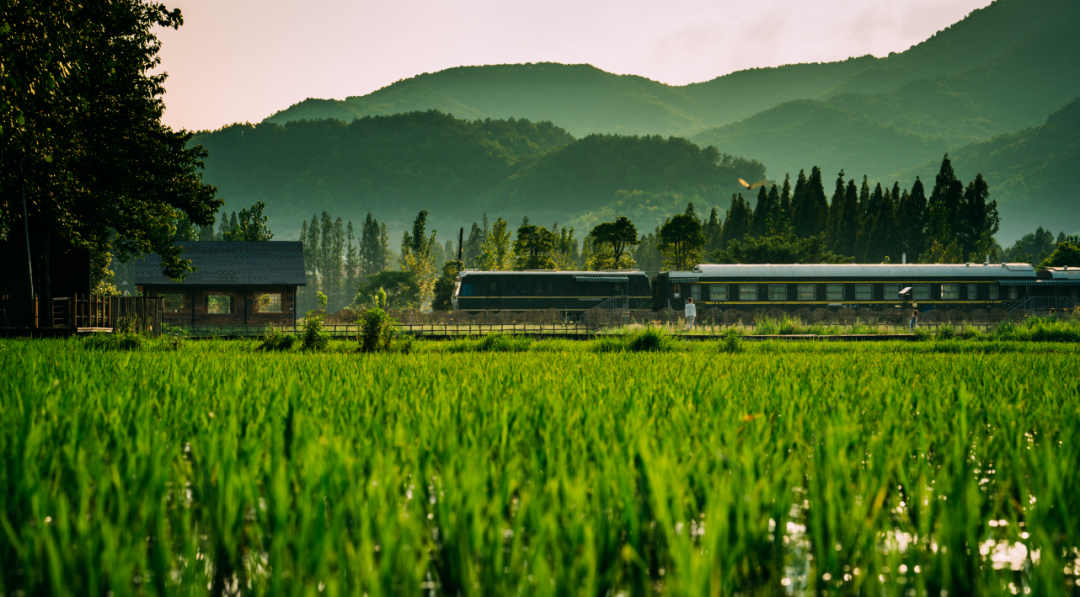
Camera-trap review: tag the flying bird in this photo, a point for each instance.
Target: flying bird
(751, 186)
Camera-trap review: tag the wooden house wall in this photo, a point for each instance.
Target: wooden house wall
(243, 301)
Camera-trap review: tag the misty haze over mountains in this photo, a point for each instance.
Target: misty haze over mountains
(983, 89)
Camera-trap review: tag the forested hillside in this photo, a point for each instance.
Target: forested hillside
(1034, 174)
(396, 166)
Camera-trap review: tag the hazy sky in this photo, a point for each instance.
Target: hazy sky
(241, 60)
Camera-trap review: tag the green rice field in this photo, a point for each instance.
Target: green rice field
(512, 467)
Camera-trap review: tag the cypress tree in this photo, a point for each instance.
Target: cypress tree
(738, 222)
(836, 213)
(864, 198)
(849, 225)
(761, 213)
(881, 242)
(817, 206)
(783, 221)
(799, 216)
(948, 195)
(712, 231)
(772, 219)
(979, 221)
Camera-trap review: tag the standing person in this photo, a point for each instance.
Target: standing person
(914, 320)
(1052, 316)
(690, 312)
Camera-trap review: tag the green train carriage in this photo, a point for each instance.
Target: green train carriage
(962, 287)
(573, 292)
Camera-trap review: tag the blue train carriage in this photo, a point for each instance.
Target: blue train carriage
(540, 290)
(964, 286)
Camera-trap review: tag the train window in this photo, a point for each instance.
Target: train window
(892, 292)
(921, 292)
(994, 292)
(466, 290)
(834, 292)
(864, 292)
(544, 289)
(950, 292)
(494, 288)
(807, 292)
(1014, 293)
(695, 292)
(748, 292)
(777, 292)
(718, 292)
(973, 292)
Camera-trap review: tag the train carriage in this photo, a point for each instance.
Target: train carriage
(567, 291)
(960, 287)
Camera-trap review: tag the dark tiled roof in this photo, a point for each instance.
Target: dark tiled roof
(232, 263)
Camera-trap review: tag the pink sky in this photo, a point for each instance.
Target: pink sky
(241, 60)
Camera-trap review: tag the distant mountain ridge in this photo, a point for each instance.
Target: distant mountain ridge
(585, 100)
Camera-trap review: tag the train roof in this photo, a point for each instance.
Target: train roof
(552, 272)
(1060, 273)
(859, 270)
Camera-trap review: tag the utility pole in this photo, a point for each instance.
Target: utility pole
(460, 241)
(26, 230)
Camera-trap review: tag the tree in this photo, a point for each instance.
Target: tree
(879, 240)
(496, 252)
(533, 248)
(681, 241)
(812, 211)
(418, 259)
(779, 248)
(565, 254)
(738, 222)
(1033, 247)
(619, 235)
(713, 231)
(81, 132)
(979, 220)
(912, 220)
(783, 220)
(444, 286)
(1066, 254)
(250, 226)
(400, 288)
(647, 256)
(833, 230)
(374, 247)
(472, 244)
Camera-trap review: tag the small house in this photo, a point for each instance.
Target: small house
(235, 283)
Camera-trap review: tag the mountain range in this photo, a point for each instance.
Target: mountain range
(979, 89)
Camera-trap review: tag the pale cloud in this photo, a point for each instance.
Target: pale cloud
(240, 60)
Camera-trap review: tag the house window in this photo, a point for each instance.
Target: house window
(748, 292)
(1014, 293)
(695, 292)
(718, 292)
(921, 292)
(678, 289)
(807, 292)
(994, 292)
(892, 292)
(172, 303)
(268, 303)
(973, 292)
(777, 292)
(219, 304)
(864, 292)
(950, 292)
(834, 292)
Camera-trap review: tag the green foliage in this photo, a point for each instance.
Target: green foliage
(681, 240)
(377, 329)
(946, 332)
(319, 458)
(251, 225)
(638, 339)
(314, 337)
(400, 289)
(275, 339)
(1041, 329)
(534, 247)
(1066, 254)
(786, 248)
(732, 342)
(80, 127)
(619, 235)
(444, 286)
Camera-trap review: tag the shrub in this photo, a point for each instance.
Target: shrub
(275, 339)
(315, 338)
(403, 345)
(649, 339)
(946, 332)
(376, 327)
(731, 343)
(503, 343)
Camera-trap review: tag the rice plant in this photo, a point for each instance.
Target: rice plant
(789, 468)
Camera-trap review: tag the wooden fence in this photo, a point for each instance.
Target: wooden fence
(83, 313)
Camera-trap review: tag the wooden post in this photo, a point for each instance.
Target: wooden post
(73, 317)
(36, 312)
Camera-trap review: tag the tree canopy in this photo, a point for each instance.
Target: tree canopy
(80, 127)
